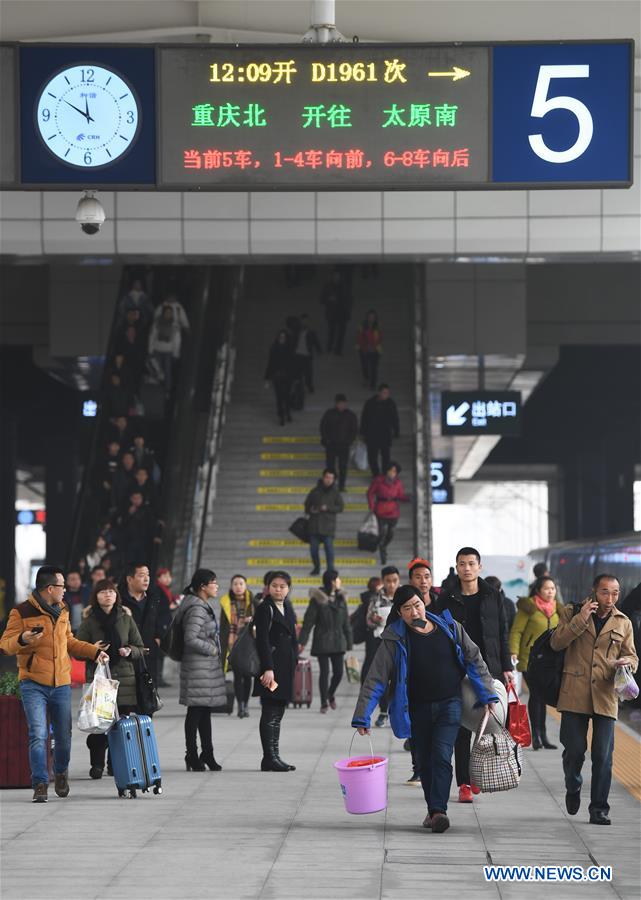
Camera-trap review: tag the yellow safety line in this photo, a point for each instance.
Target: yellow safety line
(306, 473)
(292, 456)
(315, 582)
(301, 489)
(626, 760)
(273, 562)
(292, 440)
(298, 507)
(294, 542)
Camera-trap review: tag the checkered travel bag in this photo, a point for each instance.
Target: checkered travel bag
(496, 759)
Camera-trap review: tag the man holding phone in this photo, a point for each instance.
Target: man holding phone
(597, 640)
(39, 633)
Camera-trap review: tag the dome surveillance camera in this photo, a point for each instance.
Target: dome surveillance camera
(89, 214)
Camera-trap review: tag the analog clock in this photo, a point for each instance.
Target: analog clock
(88, 116)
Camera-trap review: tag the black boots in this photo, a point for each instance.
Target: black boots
(544, 741)
(269, 737)
(243, 712)
(536, 739)
(192, 762)
(207, 759)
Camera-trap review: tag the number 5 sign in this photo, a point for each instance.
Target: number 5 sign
(562, 113)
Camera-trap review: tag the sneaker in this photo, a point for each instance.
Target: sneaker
(381, 722)
(61, 784)
(324, 709)
(465, 794)
(40, 793)
(414, 780)
(95, 772)
(332, 703)
(573, 802)
(440, 823)
(475, 789)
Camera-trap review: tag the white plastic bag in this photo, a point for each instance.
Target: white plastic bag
(625, 685)
(98, 710)
(359, 455)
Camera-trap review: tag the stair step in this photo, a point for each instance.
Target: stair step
(299, 507)
(293, 542)
(314, 581)
(307, 473)
(307, 455)
(303, 489)
(292, 439)
(272, 562)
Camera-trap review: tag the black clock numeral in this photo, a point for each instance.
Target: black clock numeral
(130, 117)
(46, 115)
(87, 158)
(89, 73)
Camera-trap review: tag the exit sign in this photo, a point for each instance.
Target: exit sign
(481, 412)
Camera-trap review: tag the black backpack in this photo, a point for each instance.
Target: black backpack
(359, 625)
(545, 666)
(172, 642)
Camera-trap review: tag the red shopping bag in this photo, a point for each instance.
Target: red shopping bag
(518, 723)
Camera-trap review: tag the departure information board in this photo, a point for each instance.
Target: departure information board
(324, 116)
(306, 117)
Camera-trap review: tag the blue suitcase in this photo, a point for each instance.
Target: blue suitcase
(134, 755)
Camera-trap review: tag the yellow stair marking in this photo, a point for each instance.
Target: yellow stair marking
(306, 473)
(292, 456)
(273, 562)
(294, 542)
(302, 602)
(298, 507)
(302, 489)
(292, 440)
(626, 759)
(315, 582)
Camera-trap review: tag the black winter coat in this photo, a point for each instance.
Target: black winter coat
(338, 427)
(277, 647)
(379, 420)
(280, 365)
(153, 619)
(323, 521)
(495, 650)
(329, 618)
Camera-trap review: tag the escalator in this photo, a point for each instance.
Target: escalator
(173, 422)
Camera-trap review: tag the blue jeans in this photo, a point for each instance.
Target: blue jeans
(434, 729)
(315, 540)
(38, 700)
(574, 731)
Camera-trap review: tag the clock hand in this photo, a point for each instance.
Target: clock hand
(77, 110)
(89, 117)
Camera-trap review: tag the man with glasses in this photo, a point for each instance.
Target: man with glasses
(39, 633)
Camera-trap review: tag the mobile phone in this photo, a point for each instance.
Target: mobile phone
(37, 629)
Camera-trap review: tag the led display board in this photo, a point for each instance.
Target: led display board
(320, 117)
(480, 412)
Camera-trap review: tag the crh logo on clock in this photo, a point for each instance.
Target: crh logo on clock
(88, 116)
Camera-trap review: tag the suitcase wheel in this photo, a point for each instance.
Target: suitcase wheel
(122, 795)
(157, 789)
(132, 794)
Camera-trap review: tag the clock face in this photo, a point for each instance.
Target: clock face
(88, 116)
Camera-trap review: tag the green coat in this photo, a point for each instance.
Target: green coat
(330, 621)
(528, 625)
(91, 630)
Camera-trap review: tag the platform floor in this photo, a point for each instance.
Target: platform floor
(246, 834)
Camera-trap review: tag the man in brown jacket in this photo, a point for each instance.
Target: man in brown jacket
(38, 632)
(597, 641)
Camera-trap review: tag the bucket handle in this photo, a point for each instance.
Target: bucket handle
(351, 744)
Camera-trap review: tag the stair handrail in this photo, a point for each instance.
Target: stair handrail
(206, 482)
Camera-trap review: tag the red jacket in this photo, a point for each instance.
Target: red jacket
(383, 497)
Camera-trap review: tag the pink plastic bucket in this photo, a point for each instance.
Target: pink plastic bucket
(364, 787)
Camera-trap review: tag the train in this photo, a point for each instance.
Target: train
(575, 564)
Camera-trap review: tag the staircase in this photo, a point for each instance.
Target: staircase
(266, 470)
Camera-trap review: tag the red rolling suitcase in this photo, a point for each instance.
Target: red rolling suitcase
(303, 684)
